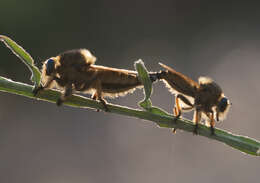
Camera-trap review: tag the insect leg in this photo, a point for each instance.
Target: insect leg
(104, 103)
(217, 115)
(99, 95)
(178, 108)
(185, 100)
(210, 115)
(94, 97)
(176, 111)
(212, 123)
(65, 95)
(61, 82)
(196, 119)
(186, 108)
(48, 83)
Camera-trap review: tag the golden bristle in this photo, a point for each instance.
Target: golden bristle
(90, 59)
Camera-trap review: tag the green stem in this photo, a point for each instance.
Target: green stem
(244, 144)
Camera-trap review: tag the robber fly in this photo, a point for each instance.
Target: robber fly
(74, 71)
(205, 97)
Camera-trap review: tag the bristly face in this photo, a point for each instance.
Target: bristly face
(222, 105)
(223, 108)
(50, 67)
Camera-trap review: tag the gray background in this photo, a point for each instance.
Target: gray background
(40, 142)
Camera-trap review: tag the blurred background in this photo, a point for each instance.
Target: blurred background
(40, 142)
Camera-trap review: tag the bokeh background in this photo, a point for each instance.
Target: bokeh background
(40, 142)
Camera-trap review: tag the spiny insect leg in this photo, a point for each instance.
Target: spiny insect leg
(212, 124)
(48, 83)
(104, 103)
(217, 116)
(99, 95)
(37, 89)
(94, 97)
(185, 100)
(177, 110)
(65, 95)
(196, 119)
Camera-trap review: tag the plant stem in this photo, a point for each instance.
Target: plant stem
(245, 144)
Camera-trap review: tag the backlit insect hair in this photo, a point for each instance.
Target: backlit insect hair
(206, 97)
(74, 71)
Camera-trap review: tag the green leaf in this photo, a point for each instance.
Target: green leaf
(146, 104)
(25, 57)
(144, 77)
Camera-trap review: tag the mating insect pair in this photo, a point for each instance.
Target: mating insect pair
(75, 71)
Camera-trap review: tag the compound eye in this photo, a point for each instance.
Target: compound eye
(50, 66)
(223, 103)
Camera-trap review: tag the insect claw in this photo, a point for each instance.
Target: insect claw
(103, 102)
(176, 117)
(177, 114)
(175, 121)
(36, 90)
(59, 102)
(174, 130)
(212, 129)
(106, 108)
(195, 131)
